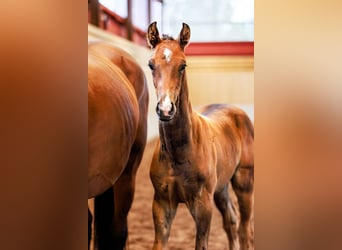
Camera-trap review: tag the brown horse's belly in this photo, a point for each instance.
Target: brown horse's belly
(113, 114)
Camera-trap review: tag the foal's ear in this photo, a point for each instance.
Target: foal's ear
(184, 36)
(153, 35)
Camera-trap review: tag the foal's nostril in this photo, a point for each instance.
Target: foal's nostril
(165, 114)
(158, 109)
(172, 110)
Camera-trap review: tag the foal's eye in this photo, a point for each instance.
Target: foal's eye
(151, 66)
(182, 67)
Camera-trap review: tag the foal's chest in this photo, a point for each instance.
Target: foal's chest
(182, 183)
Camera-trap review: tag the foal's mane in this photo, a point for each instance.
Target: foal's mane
(167, 37)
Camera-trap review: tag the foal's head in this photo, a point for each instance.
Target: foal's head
(167, 65)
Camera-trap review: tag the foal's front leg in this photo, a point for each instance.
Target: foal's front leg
(164, 211)
(201, 211)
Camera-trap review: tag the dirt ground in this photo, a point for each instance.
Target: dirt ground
(182, 237)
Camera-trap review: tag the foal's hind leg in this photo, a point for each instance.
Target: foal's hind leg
(243, 184)
(225, 206)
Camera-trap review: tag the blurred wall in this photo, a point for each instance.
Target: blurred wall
(221, 79)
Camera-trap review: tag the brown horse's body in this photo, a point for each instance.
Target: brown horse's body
(117, 130)
(198, 154)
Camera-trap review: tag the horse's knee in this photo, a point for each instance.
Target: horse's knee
(202, 217)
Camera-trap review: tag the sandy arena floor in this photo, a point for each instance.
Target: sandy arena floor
(182, 237)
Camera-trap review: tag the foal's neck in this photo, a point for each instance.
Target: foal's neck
(175, 135)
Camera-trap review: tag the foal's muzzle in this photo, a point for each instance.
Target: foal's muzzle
(165, 114)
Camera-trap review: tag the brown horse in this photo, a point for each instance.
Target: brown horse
(117, 129)
(197, 154)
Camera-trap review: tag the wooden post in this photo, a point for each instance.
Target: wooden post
(94, 12)
(129, 25)
(149, 14)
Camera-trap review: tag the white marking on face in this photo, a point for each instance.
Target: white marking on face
(166, 105)
(167, 53)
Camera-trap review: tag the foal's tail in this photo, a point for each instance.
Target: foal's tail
(103, 220)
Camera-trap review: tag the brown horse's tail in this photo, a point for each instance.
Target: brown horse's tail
(103, 220)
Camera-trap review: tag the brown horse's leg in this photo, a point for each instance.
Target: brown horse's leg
(124, 194)
(201, 211)
(124, 190)
(90, 220)
(243, 184)
(103, 220)
(226, 208)
(163, 213)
